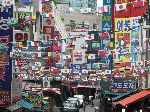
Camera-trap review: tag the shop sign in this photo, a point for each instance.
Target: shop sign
(6, 36)
(123, 85)
(107, 17)
(20, 14)
(47, 8)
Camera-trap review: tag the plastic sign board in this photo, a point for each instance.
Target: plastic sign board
(6, 36)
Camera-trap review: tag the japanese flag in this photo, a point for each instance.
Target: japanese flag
(107, 71)
(91, 56)
(120, 7)
(65, 71)
(89, 37)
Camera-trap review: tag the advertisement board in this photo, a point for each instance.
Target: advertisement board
(6, 36)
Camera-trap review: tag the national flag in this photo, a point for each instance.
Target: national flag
(104, 35)
(44, 0)
(66, 56)
(49, 54)
(76, 54)
(105, 9)
(91, 56)
(84, 71)
(55, 70)
(110, 44)
(75, 71)
(107, 71)
(99, 72)
(58, 56)
(65, 71)
(104, 65)
(45, 69)
(116, 56)
(37, 64)
(120, 7)
(138, 3)
(102, 52)
(59, 65)
(139, 63)
(148, 62)
(89, 37)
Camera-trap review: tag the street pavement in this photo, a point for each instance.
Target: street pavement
(89, 108)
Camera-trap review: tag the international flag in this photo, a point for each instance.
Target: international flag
(139, 63)
(104, 35)
(120, 7)
(105, 9)
(84, 71)
(65, 71)
(89, 37)
(107, 71)
(116, 56)
(91, 56)
(102, 53)
(30, 43)
(55, 70)
(67, 57)
(138, 3)
(44, 0)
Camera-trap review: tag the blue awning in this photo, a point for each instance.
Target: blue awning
(25, 104)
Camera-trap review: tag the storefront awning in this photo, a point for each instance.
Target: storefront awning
(121, 95)
(13, 107)
(133, 98)
(111, 93)
(25, 104)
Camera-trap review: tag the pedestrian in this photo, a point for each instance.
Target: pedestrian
(92, 101)
(84, 106)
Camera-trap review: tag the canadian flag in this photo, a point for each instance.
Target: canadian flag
(105, 9)
(138, 3)
(120, 7)
(65, 71)
(89, 37)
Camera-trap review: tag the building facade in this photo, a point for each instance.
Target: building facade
(77, 5)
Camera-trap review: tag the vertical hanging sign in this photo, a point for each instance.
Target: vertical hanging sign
(6, 36)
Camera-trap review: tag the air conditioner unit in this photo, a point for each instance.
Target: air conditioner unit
(21, 36)
(46, 83)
